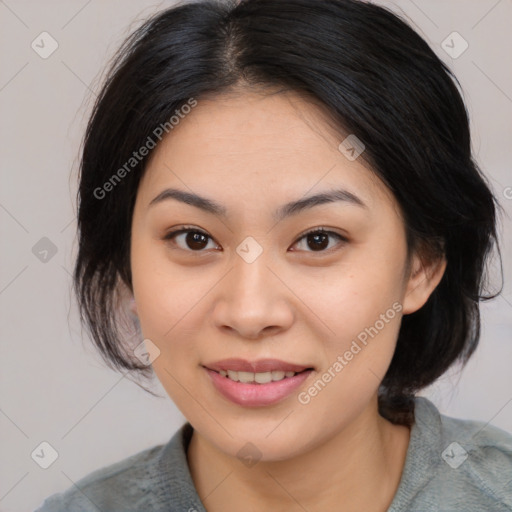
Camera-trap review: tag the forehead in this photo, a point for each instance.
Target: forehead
(253, 146)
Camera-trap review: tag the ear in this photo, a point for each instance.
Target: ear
(422, 281)
(132, 306)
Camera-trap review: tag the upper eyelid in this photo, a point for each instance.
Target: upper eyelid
(184, 229)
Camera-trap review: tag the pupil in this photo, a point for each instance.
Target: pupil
(316, 237)
(194, 242)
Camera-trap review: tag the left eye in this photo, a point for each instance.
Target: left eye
(196, 240)
(318, 239)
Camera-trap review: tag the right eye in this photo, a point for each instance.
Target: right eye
(192, 239)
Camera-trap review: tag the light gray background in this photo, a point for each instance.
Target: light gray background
(54, 387)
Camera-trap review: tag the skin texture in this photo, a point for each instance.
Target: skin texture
(252, 153)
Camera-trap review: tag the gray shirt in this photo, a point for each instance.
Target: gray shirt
(451, 465)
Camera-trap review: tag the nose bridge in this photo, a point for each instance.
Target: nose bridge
(252, 298)
(251, 275)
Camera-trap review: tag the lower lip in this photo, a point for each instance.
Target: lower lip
(257, 395)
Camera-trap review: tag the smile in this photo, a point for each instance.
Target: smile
(259, 378)
(256, 389)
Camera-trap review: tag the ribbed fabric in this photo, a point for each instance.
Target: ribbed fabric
(452, 465)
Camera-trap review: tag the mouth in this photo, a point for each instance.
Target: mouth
(260, 366)
(260, 377)
(258, 383)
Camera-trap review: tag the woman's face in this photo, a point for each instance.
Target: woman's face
(254, 287)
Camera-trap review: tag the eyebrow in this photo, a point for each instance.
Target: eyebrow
(287, 210)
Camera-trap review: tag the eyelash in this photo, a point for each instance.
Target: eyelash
(191, 229)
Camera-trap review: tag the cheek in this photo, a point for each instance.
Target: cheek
(170, 304)
(354, 295)
(364, 337)
(364, 319)
(361, 310)
(156, 286)
(167, 309)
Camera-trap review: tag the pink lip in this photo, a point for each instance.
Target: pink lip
(260, 366)
(257, 395)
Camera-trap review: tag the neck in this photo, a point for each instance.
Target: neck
(359, 468)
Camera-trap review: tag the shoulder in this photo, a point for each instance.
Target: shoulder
(152, 480)
(123, 486)
(468, 463)
(483, 452)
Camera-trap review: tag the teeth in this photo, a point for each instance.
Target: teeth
(279, 375)
(233, 375)
(245, 377)
(260, 378)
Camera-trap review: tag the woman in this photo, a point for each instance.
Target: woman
(285, 191)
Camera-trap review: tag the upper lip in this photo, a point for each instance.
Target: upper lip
(260, 366)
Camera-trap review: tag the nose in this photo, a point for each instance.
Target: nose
(252, 300)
